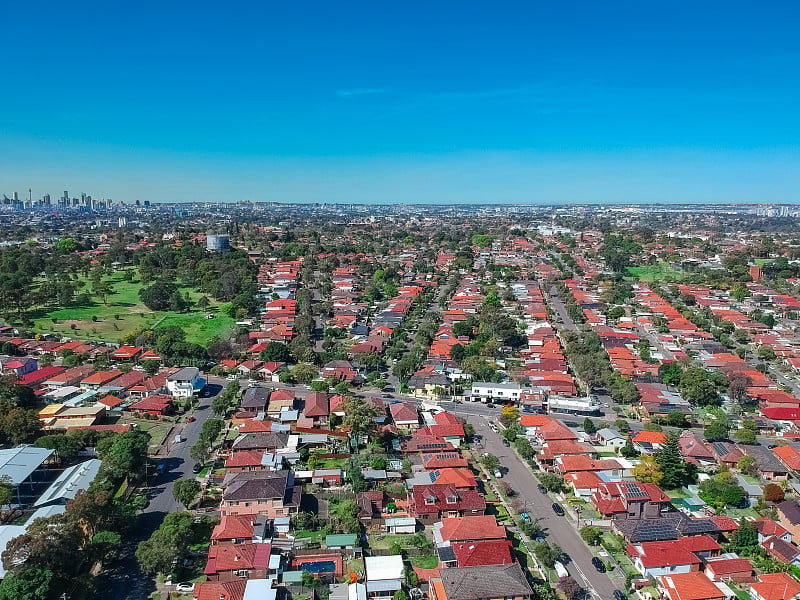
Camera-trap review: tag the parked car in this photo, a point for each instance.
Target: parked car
(598, 564)
(557, 509)
(498, 474)
(185, 587)
(190, 419)
(619, 595)
(506, 442)
(197, 468)
(526, 518)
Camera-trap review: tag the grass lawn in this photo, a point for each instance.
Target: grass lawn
(157, 430)
(430, 561)
(676, 493)
(123, 313)
(660, 272)
(314, 536)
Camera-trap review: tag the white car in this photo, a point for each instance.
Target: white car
(184, 587)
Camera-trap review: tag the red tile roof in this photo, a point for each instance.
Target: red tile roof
(477, 554)
(776, 586)
(468, 529)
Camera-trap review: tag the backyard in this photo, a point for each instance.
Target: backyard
(123, 313)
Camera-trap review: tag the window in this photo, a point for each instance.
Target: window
(242, 573)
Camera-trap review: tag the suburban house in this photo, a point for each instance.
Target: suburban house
(231, 562)
(693, 586)
(775, 586)
(492, 582)
(789, 517)
(739, 570)
(467, 529)
(157, 405)
(236, 529)
(185, 383)
(611, 438)
(495, 392)
(684, 555)
(404, 415)
(432, 503)
(476, 554)
(446, 426)
(271, 494)
(630, 500)
(255, 400)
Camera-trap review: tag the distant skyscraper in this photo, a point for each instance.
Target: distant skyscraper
(122, 222)
(218, 243)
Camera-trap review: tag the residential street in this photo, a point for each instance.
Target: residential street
(559, 529)
(124, 579)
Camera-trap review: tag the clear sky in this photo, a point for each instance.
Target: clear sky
(379, 101)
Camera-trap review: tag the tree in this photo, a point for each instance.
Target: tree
(220, 404)
(6, 491)
(547, 553)
(747, 433)
(648, 471)
(359, 417)
(672, 464)
(716, 431)
(746, 536)
(304, 373)
(676, 418)
(49, 543)
(720, 491)
(698, 387)
(186, 491)
(773, 493)
(570, 588)
(19, 425)
(400, 595)
(123, 454)
(629, 450)
(737, 386)
(66, 448)
(276, 352)
(509, 414)
(766, 353)
(747, 465)
(552, 482)
(653, 426)
(591, 535)
(159, 295)
(168, 542)
(28, 583)
(670, 373)
(457, 352)
(589, 426)
(490, 462)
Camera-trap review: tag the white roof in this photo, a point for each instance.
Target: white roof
(383, 567)
(18, 463)
(259, 589)
(357, 591)
(73, 479)
(46, 512)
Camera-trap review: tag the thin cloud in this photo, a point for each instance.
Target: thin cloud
(349, 93)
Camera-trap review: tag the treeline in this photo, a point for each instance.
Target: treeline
(55, 554)
(588, 358)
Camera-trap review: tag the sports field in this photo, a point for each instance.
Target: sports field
(660, 272)
(123, 313)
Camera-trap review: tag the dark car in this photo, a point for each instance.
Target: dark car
(197, 468)
(557, 509)
(619, 595)
(598, 564)
(506, 442)
(541, 488)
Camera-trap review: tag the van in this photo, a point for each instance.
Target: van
(561, 570)
(179, 438)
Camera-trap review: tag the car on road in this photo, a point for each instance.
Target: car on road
(492, 426)
(557, 509)
(619, 595)
(526, 518)
(498, 474)
(184, 587)
(598, 565)
(197, 468)
(506, 442)
(541, 488)
(190, 419)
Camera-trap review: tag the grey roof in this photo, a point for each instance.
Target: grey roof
(255, 397)
(495, 581)
(256, 485)
(791, 510)
(185, 374)
(669, 526)
(75, 478)
(766, 461)
(18, 463)
(263, 440)
(607, 433)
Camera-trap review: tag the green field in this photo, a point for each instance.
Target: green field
(659, 272)
(123, 313)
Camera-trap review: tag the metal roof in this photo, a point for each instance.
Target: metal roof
(18, 463)
(72, 480)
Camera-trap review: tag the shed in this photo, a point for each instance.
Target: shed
(401, 525)
(346, 542)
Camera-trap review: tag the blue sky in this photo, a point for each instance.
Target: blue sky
(402, 101)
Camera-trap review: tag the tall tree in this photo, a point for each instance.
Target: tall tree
(672, 464)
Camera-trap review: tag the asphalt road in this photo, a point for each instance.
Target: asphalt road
(123, 579)
(559, 530)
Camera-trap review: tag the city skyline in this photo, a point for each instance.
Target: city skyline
(362, 104)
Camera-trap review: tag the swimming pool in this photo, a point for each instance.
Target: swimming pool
(319, 566)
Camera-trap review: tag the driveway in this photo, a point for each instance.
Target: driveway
(123, 579)
(559, 530)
